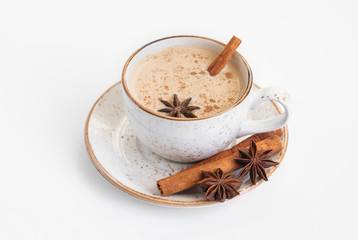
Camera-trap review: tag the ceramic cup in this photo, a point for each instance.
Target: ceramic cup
(188, 139)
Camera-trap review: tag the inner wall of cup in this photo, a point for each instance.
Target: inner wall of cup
(188, 41)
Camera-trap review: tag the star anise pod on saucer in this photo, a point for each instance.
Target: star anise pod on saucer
(255, 163)
(176, 109)
(219, 186)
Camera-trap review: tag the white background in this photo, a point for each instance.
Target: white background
(58, 57)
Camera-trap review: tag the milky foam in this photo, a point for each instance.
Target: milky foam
(182, 70)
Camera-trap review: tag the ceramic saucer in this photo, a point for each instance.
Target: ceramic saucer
(129, 165)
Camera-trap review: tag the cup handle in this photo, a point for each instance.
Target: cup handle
(266, 125)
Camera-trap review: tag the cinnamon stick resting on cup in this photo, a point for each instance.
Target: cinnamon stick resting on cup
(225, 160)
(224, 56)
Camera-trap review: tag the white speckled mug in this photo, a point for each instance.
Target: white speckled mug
(188, 139)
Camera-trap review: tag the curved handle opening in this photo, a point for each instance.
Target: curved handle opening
(266, 125)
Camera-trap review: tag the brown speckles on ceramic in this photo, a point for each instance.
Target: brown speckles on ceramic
(193, 139)
(134, 168)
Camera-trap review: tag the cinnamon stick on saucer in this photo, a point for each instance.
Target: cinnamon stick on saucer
(221, 60)
(241, 145)
(191, 176)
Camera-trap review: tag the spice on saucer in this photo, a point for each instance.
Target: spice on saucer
(224, 160)
(254, 162)
(176, 109)
(219, 186)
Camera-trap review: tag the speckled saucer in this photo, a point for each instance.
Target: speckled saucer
(132, 167)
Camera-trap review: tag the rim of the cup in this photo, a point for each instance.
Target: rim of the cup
(125, 87)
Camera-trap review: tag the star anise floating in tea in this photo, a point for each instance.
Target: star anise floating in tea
(219, 186)
(255, 163)
(176, 109)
